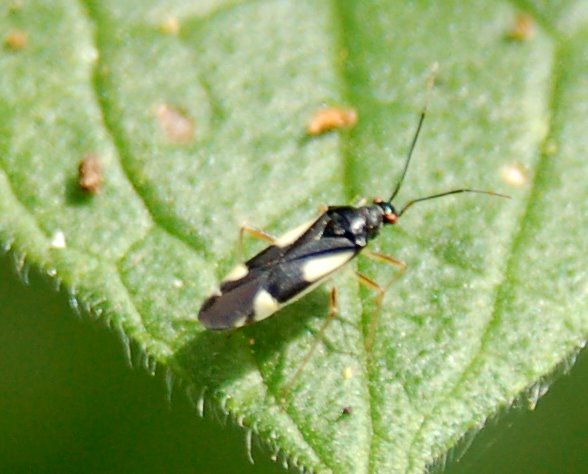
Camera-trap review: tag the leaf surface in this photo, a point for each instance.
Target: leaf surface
(197, 111)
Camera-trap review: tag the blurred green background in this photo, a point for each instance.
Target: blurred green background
(70, 403)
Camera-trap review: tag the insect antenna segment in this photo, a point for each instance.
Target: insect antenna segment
(430, 84)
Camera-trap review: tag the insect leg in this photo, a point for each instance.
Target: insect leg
(330, 316)
(380, 291)
(253, 232)
(380, 257)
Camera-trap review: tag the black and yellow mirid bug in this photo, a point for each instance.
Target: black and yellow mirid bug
(306, 256)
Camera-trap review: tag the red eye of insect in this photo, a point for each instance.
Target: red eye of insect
(391, 218)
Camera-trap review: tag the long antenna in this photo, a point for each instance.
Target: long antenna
(430, 84)
(447, 193)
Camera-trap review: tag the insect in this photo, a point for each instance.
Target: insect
(306, 256)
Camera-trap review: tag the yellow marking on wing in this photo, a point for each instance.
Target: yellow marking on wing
(292, 235)
(264, 305)
(236, 273)
(319, 267)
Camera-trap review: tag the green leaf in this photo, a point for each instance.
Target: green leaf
(197, 111)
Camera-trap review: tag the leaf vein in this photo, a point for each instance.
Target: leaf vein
(100, 90)
(342, 45)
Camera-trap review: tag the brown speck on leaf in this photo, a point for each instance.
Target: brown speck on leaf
(175, 124)
(90, 174)
(331, 118)
(523, 28)
(345, 412)
(16, 40)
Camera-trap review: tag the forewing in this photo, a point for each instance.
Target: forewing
(235, 305)
(263, 291)
(292, 239)
(307, 266)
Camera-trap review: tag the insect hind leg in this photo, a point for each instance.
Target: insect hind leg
(330, 317)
